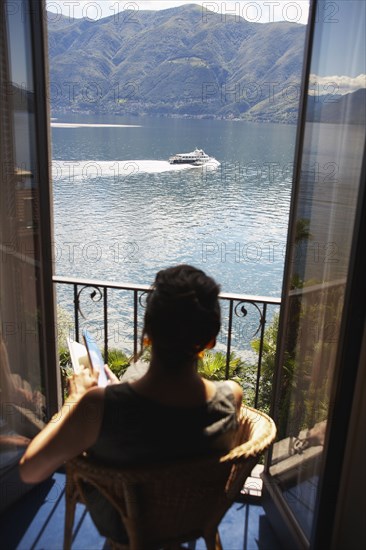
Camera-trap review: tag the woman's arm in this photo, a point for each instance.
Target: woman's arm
(72, 430)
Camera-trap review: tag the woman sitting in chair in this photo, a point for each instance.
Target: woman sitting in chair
(169, 412)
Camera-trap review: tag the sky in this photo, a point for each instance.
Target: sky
(258, 11)
(339, 48)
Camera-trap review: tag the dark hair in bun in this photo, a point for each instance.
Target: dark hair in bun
(183, 311)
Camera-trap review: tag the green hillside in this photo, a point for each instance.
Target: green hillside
(175, 62)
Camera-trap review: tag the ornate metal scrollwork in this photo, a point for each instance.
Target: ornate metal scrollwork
(96, 295)
(240, 310)
(143, 297)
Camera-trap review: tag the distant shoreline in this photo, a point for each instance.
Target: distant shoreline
(56, 114)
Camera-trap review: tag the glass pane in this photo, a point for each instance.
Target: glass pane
(21, 380)
(332, 154)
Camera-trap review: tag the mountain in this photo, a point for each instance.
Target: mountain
(176, 62)
(338, 109)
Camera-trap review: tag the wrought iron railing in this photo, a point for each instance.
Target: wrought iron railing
(253, 309)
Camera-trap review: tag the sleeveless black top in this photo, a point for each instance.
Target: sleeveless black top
(136, 429)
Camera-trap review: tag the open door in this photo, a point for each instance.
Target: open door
(28, 376)
(315, 377)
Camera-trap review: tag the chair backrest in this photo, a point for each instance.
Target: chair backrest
(181, 500)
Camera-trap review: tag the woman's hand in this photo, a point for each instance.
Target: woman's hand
(111, 376)
(81, 382)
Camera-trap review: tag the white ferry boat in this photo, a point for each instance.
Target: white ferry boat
(197, 158)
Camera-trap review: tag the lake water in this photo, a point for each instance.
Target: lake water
(122, 212)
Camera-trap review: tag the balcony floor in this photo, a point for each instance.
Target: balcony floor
(36, 522)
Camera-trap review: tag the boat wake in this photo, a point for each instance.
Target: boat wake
(77, 125)
(75, 170)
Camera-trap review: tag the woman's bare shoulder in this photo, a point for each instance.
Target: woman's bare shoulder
(89, 410)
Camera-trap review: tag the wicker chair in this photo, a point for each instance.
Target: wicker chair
(164, 505)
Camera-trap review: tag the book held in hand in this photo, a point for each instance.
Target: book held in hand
(88, 355)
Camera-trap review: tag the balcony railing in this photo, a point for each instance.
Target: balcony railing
(244, 317)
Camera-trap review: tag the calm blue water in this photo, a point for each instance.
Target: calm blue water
(122, 221)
